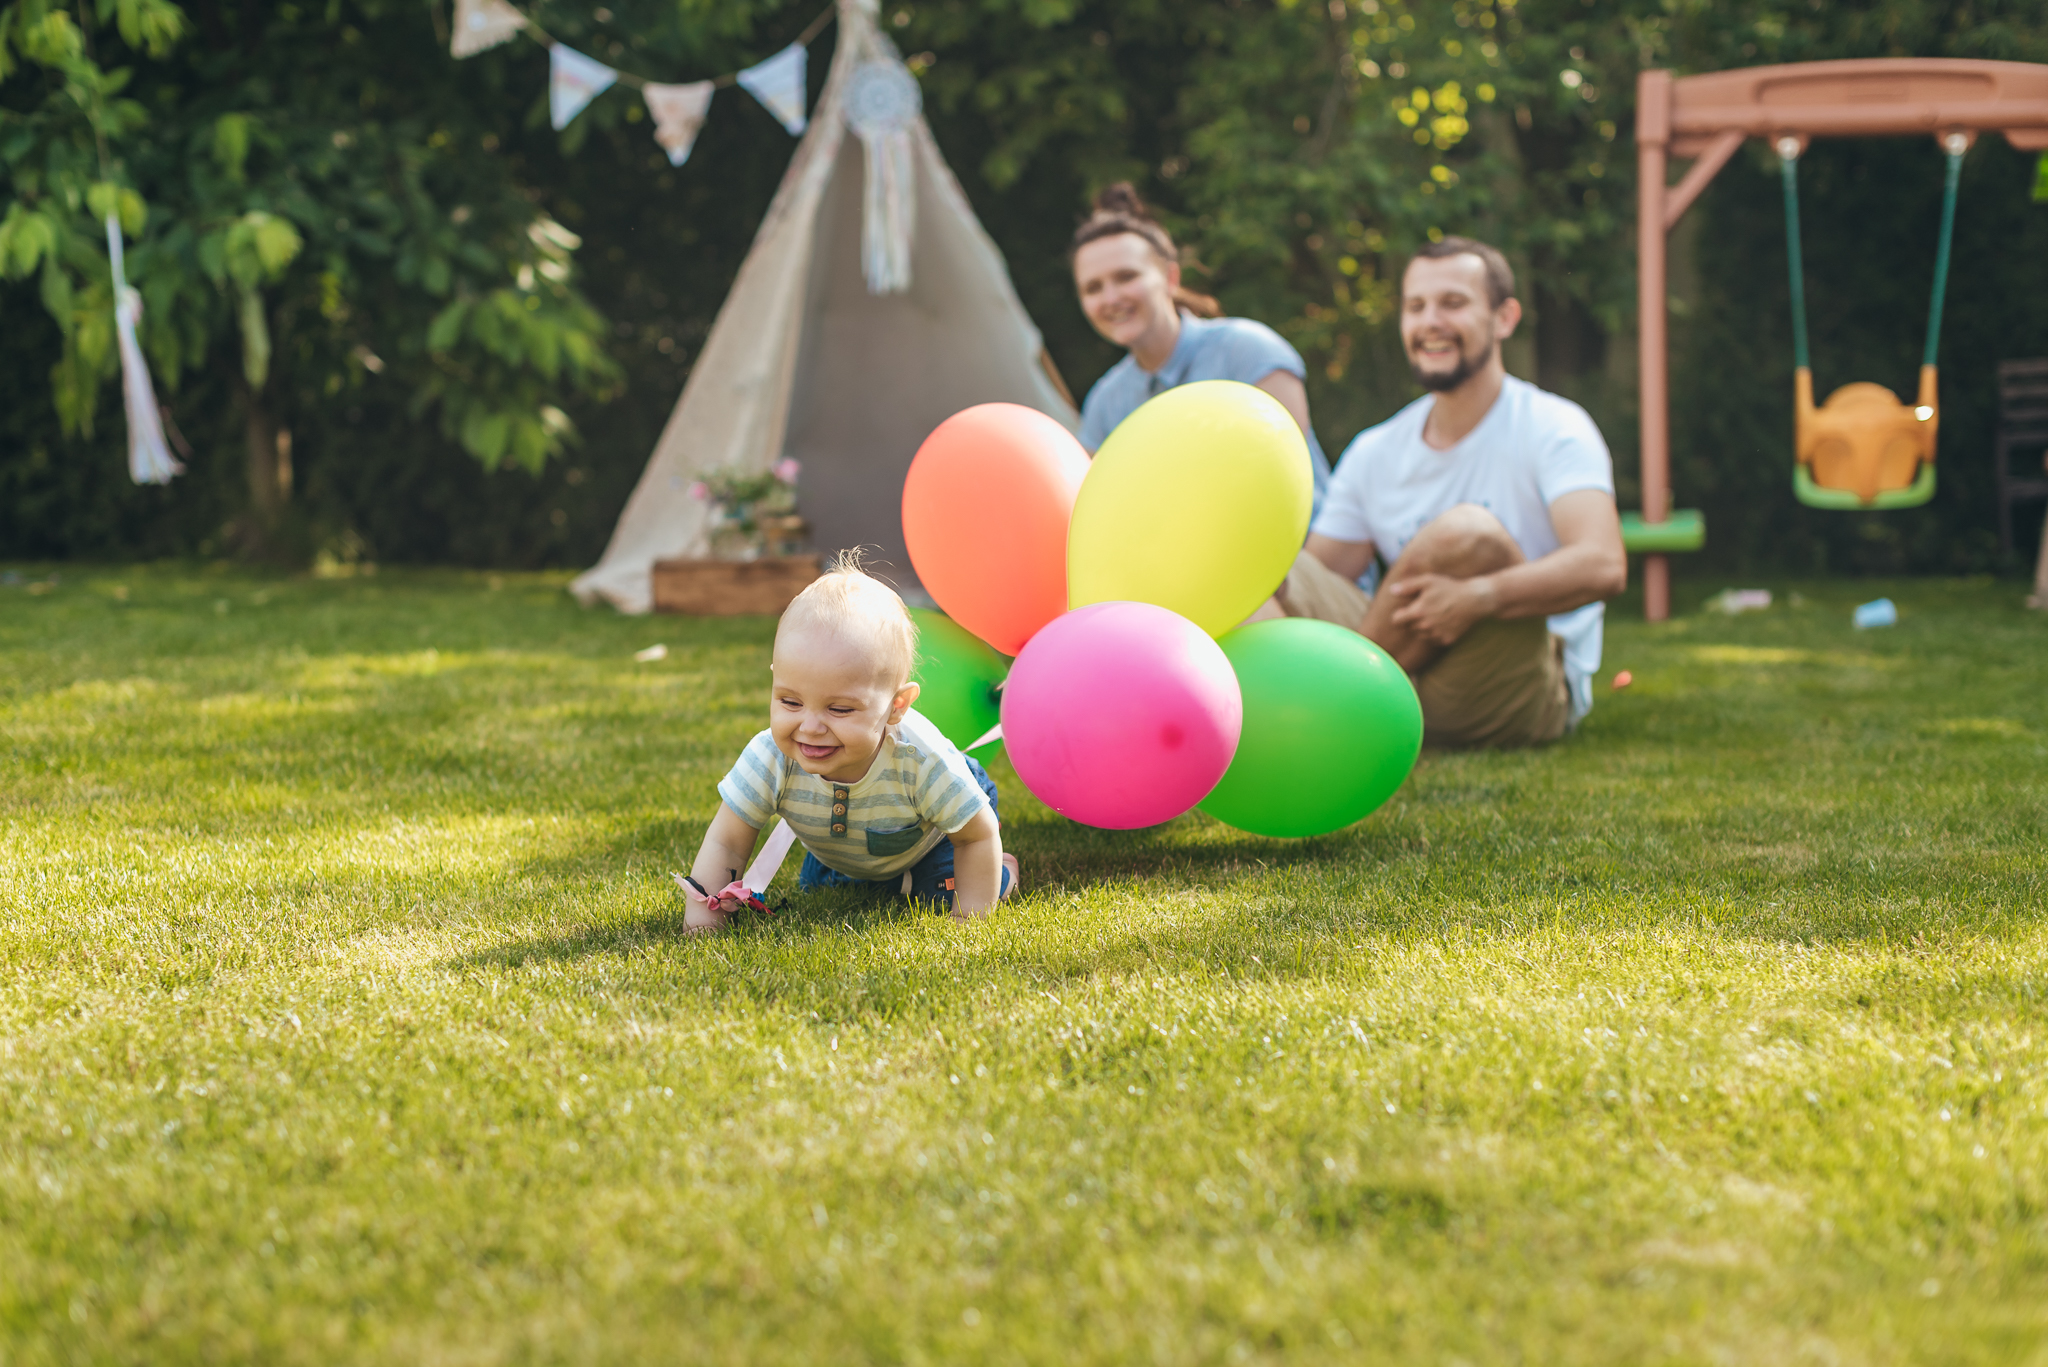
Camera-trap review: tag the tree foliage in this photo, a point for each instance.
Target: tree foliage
(1302, 148)
(294, 180)
(456, 259)
(1305, 147)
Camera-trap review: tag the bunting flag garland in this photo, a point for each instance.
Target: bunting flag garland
(678, 112)
(483, 24)
(574, 80)
(778, 83)
(882, 105)
(149, 458)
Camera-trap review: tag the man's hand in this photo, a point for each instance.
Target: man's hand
(1440, 608)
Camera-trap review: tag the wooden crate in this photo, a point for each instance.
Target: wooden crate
(731, 588)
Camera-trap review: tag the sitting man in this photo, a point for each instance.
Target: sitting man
(1493, 504)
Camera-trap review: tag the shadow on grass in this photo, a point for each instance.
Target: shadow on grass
(1253, 907)
(840, 956)
(1208, 855)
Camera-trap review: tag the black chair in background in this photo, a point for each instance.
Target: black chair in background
(2022, 426)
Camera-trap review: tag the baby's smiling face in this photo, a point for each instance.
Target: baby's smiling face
(831, 702)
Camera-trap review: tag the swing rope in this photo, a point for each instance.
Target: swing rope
(1948, 234)
(1789, 169)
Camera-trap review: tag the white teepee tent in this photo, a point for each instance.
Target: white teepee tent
(872, 307)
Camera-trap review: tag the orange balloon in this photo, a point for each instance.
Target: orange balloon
(985, 512)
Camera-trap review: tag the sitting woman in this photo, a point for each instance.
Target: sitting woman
(1128, 275)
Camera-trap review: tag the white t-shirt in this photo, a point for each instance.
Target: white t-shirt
(1529, 449)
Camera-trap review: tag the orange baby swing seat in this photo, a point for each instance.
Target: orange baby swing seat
(1863, 448)
(1863, 441)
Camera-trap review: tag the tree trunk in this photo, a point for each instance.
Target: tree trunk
(269, 451)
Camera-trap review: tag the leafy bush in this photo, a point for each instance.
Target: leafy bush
(473, 292)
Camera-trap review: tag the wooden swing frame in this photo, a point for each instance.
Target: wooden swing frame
(1706, 119)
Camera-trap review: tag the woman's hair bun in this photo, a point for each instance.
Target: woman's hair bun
(1122, 199)
(1117, 209)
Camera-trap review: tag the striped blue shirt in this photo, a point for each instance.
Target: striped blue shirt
(915, 794)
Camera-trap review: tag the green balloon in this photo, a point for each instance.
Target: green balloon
(1331, 729)
(959, 673)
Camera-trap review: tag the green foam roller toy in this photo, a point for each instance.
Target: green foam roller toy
(1684, 530)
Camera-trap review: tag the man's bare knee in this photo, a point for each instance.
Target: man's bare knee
(1464, 541)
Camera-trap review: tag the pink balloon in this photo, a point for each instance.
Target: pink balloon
(1121, 715)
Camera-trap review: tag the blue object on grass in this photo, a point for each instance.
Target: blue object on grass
(1878, 612)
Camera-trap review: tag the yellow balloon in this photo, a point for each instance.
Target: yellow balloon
(1197, 502)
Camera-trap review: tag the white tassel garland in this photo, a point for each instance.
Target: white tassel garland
(149, 456)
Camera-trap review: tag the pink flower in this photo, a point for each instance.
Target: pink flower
(700, 491)
(786, 470)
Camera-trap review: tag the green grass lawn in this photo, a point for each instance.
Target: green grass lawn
(346, 1016)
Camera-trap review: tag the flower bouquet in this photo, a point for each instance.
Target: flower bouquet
(752, 513)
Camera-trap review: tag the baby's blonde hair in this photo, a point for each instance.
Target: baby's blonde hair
(860, 608)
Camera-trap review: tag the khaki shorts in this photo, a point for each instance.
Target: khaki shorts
(1501, 686)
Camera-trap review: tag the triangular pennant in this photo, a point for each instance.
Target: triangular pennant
(574, 80)
(678, 113)
(778, 84)
(481, 24)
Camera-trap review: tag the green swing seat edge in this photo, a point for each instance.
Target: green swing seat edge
(1684, 530)
(1845, 500)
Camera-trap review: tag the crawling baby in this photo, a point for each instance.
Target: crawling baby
(876, 795)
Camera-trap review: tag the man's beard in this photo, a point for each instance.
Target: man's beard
(1441, 381)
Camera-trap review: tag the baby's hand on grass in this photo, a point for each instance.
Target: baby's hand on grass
(704, 919)
(1009, 890)
(704, 914)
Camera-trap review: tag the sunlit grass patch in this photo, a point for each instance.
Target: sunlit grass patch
(348, 1016)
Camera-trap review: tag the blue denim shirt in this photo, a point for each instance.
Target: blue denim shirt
(1208, 349)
